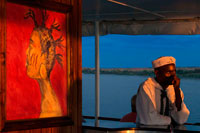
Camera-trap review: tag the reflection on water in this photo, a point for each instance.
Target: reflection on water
(116, 92)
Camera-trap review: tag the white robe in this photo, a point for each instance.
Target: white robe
(148, 105)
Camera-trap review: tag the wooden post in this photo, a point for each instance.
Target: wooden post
(2, 61)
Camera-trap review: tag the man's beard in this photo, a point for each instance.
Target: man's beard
(169, 80)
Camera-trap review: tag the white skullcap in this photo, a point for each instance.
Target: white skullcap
(164, 60)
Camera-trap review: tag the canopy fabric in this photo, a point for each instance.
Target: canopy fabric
(143, 28)
(139, 17)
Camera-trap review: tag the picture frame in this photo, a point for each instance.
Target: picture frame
(23, 123)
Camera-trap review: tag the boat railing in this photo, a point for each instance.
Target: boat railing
(109, 124)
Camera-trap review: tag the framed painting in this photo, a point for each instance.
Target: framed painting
(35, 66)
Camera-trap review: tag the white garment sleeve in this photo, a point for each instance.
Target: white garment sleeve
(180, 116)
(146, 112)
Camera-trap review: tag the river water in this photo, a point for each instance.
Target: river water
(116, 92)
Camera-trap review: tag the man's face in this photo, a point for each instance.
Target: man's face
(34, 56)
(166, 74)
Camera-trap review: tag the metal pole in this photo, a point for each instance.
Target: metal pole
(97, 85)
(136, 8)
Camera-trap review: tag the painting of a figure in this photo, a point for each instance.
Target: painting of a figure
(41, 56)
(36, 63)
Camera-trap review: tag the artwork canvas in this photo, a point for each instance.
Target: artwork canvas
(36, 66)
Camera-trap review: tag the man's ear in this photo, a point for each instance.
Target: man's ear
(156, 72)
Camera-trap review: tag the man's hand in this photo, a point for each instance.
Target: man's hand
(176, 84)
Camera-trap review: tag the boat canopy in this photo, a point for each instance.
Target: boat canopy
(141, 17)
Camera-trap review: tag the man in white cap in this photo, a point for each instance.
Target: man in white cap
(160, 99)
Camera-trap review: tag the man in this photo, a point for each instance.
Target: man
(160, 99)
(131, 117)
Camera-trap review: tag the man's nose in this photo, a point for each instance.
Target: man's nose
(172, 75)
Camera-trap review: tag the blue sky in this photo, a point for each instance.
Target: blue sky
(128, 51)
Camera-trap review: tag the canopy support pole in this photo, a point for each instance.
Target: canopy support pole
(97, 74)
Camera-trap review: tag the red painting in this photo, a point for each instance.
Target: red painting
(36, 71)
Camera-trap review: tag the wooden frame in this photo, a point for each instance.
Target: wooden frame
(13, 125)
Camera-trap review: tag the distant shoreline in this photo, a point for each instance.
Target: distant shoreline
(186, 72)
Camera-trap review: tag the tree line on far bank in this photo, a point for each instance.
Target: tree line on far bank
(191, 72)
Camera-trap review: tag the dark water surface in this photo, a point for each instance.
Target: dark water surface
(116, 92)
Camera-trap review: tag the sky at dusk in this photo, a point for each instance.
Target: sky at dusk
(138, 51)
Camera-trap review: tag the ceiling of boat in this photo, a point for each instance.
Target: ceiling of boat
(139, 9)
(124, 12)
